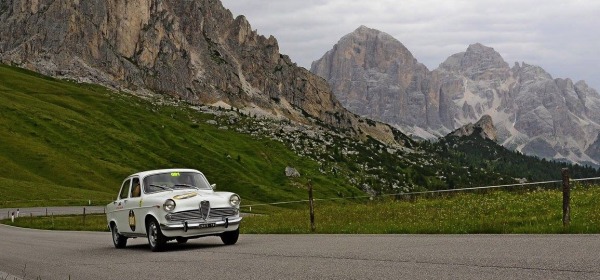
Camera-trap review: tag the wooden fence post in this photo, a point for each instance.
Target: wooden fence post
(83, 216)
(566, 198)
(312, 206)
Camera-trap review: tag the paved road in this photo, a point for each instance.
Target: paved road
(90, 255)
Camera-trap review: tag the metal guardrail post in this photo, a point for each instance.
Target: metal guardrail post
(312, 206)
(566, 198)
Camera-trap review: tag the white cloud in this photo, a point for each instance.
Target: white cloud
(561, 36)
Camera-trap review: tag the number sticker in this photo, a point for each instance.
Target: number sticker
(175, 174)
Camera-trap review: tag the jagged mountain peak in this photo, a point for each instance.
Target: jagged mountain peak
(364, 28)
(364, 38)
(372, 61)
(533, 113)
(481, 48)
(484, 128)
(533, 72)
(477, 60)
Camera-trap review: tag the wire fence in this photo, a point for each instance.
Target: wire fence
(506, 186)
(522, 185)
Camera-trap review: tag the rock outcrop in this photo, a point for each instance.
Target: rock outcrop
(193, 50)
(375, 76)
(291, 172)
(484, 128)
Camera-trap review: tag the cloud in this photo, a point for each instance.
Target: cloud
(561, 36)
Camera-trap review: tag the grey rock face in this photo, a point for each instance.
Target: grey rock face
(532, 112)
(193, 50)
(374, 75)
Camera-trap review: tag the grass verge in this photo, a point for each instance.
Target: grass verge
(92, 222)
(538, 211)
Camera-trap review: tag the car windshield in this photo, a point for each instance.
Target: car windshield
(175, 180)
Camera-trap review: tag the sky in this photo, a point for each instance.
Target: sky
(562, 36)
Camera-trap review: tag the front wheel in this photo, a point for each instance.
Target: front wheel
(156, 239)
(230, 237)
(119, 240)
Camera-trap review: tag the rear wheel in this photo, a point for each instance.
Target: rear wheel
(156, 239)
(119, 240)
(230, 237)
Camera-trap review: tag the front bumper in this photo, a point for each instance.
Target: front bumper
(194, 225)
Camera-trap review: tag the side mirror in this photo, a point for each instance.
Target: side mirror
(213, 186)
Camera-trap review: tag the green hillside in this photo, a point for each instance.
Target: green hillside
(475, 153)
(64, 140)
(64, 143)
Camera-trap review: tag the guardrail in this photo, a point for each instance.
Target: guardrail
(6, 213)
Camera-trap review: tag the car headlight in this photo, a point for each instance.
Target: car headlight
(234, 200)
(169, 205)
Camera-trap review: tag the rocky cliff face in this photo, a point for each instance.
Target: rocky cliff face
(533, 112)
(376, 76)
(193, 50)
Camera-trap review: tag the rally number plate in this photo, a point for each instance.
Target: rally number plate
(207, 225)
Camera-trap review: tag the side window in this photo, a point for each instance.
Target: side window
(136, 189)
(125, 189)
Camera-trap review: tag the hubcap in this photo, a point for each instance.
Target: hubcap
(153, 233)
(115, 234)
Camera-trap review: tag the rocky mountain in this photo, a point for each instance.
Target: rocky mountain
(194, 50)
(369, 84)
(374, 75)
(484, 128)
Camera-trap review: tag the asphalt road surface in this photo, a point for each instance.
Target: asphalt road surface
(38, 254)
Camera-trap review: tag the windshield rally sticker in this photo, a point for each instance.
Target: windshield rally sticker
(185, 195)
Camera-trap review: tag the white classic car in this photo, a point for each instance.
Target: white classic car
(172, 204)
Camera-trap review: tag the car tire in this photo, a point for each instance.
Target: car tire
(119, 240)
(181, 240)
(156, 239)
(230, 237)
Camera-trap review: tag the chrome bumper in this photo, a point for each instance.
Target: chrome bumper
(185, 226)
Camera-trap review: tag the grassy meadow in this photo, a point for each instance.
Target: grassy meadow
(534, 211)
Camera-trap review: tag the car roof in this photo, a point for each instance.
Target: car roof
(160, 171)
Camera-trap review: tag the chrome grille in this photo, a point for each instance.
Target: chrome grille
(204, 209)
(215, 213)
(223, 212)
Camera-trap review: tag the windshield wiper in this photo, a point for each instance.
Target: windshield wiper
(161, 187)
(185, 186)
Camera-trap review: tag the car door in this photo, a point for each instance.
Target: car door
(135, 213)
(120, 206)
